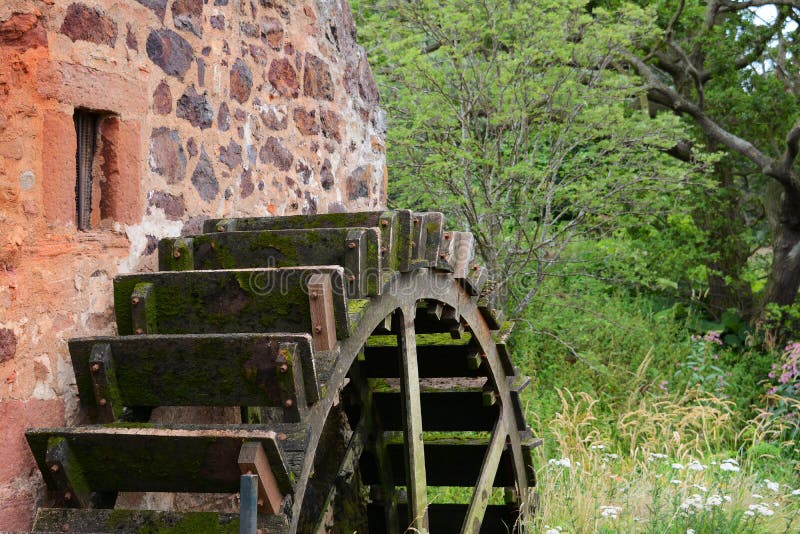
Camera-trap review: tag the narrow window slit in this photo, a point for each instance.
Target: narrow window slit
(86, 130)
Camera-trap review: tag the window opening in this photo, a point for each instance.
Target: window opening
(86, 131)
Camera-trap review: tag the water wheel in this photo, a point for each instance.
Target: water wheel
(374, 387)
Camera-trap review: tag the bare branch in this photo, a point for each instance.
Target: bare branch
(731, 5)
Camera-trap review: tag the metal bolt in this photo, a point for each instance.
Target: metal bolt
(447, 235)
(475, 267)
(139, 331)
(65, 527)
(384, 223)
(283, 368)
(282, 437)
(102, 402)
(67, 496)
(351, 277)
(318, 329)
(54, 468)
(351, 245)
(384, 249)
(135, 301)
(314, 295)
(288, 403)
(260, 502)
(220, 228)
(416, 222)
(443, 255)
(176, 253)
(95, 367)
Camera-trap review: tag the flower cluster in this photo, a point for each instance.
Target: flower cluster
(696, 503)
(786, 372)
(611, 512)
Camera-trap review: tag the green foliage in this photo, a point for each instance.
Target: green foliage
(510, 117)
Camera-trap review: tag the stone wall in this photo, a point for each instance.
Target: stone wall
(204, 108)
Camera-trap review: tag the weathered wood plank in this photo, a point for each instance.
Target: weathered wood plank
(148, 457)
(282, 248)
(144, 310)
(253, 460)
(360, 219)
(105, 387)
(446, 517)
(321, 298)
(200, 370)
(483, 489)
(114, 521)
(413, 446)
(246, 300)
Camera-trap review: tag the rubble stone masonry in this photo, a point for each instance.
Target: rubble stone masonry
(204, 108)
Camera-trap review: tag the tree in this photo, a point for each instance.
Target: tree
(513, 117)
(731, 69)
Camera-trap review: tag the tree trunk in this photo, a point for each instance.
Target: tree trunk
(784, 277)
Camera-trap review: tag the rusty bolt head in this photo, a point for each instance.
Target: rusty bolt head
(318, 329)
(384, 250)
(351, 278)
(447, 235)
(135, 301)
(282, 437)
(483, 355)
(67, 496)
(139, 331)
(443, 255)
(283, 368)
(260, 502)
(176, 253)
(416, 222)
(220, 228)
(54, 468)
(351, 245)
(288, 403)
(95, 367)
(314, 295)
(384, 223)
(65, 527)
(475, 267)
(102, 402)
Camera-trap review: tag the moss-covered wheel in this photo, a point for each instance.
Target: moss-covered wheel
(428, 401)
(375, 390)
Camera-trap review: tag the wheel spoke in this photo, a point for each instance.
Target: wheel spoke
(412, 414)
(483, 489)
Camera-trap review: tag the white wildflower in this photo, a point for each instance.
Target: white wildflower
(758, 496)
(693, 504)
(796, 492)
(689, 531)
(563, 462)
(727, 498)
(749, 512)
(552, 531)
(729, 465)
(701, 488)
(714, 500)
(694, 465)
(675, 481)
(658, 456)
(762, 509)
(774, 486)
(610, 511)
(596, 447)
(677, 466)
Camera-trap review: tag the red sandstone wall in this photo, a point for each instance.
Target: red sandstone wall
(212, 108)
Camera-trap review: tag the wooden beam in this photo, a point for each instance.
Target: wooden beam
(108, 402)
(253, 460)
(320, 292)
(483, 489)
(143, 309)
(412, 412)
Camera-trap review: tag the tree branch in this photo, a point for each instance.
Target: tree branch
(731, 5)
(711, 128)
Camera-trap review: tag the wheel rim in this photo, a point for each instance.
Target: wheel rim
(401, 300)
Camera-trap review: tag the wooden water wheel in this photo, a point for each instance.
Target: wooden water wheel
(375, 389)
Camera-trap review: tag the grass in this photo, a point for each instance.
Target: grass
(633, 443)
(667, 470)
